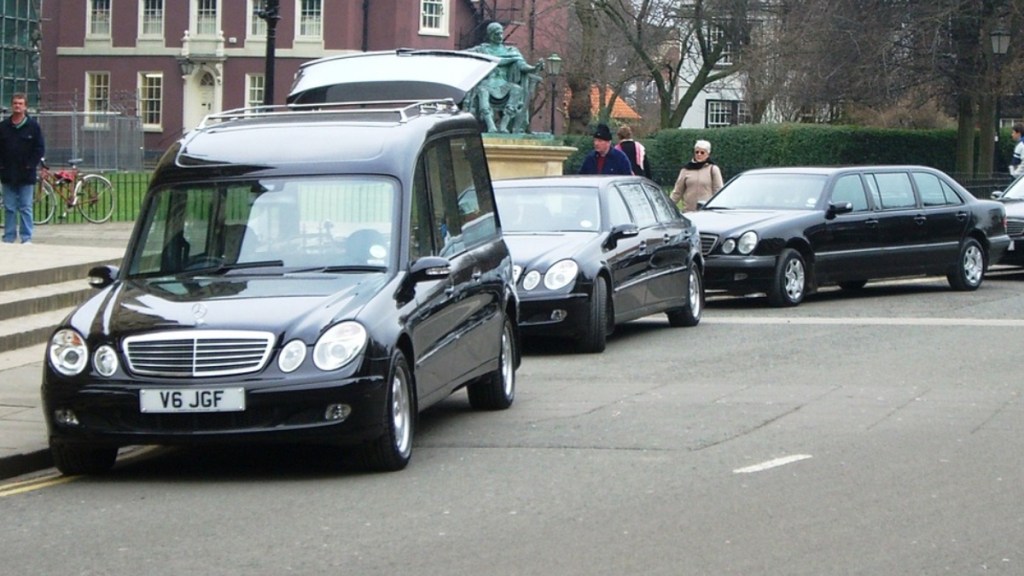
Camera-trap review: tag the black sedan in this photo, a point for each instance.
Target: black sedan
(591, 252)
(1013, 200)
(787, 231)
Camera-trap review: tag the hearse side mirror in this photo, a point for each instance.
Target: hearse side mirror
(996, 194)
(838, 208)
(102, 276)
(621, 231)
(429, 268)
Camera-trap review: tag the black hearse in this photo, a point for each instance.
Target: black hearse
(299, 273)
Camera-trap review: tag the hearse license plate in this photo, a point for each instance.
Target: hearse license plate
(193, 400)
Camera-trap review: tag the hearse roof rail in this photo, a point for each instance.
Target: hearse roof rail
(375, 111)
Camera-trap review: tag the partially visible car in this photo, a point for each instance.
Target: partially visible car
(297, 273)
(591, 252)
(1012, 198)
(786, 231)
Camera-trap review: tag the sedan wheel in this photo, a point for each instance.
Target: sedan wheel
(393, 449)
(595, 329)
(790, 281)
(497, 390)
(690, 314)
(969, 268)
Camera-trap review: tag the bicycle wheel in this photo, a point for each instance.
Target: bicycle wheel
(95, 198)
(44, 203)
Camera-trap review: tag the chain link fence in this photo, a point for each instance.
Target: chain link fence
(103, 141)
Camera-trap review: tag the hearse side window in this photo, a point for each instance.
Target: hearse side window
(894, 189)
(638, 204)
(849, 188)
(935, 192)
(463, 213)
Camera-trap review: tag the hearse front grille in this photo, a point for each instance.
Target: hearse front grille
(198, 353)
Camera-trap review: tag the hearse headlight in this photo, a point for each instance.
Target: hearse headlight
(105, 360)
(531, 280)
(561, 274)
(67, 352)
(339, 345)
(747, 242)
(291, 356)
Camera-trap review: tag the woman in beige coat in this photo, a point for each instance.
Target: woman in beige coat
(699, 179)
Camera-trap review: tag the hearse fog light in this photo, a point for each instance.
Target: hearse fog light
(728, 246)
(68, 353)
(561, 274)
(339, 345)
(747, 242)
(531, 280)
(337, 412)
(65, 416)
(292, 356)
(105, 360)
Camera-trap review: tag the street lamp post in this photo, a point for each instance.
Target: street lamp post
(1000, 38)
(270, 14)
(554, 66)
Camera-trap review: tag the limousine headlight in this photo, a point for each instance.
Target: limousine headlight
(747, 242)
(67, 352)
(339, 345)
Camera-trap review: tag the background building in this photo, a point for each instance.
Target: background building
(168, 63)
(19, 49)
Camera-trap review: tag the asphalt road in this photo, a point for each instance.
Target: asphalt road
(868, 434)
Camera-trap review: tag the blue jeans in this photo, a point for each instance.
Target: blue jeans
(18, 202)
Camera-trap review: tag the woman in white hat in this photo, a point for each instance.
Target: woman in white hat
(699, 179)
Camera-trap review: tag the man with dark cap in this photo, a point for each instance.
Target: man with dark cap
(604, 159)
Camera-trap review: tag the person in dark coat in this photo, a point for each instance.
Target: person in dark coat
(21, 151)
(604, 159)
(634, 150)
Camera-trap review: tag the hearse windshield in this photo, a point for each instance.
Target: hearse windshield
(278, 225)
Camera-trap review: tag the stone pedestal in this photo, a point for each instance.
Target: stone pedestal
(522, 155)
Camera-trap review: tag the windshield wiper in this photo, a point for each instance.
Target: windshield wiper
(342, 268)
(225, 268)
(717, 208)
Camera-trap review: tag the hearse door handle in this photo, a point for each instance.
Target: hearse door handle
(920, 219)
(962, 216)
(871, 223)
(643, 246)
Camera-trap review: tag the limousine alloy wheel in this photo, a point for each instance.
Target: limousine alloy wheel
(497, 390)
(790, 281)
(969, 268)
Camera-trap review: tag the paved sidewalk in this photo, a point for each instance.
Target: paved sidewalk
(23, 443)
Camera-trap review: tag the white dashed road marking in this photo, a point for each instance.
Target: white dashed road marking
(771, 464)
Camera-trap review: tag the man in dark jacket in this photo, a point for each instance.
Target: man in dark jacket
(604, 159)
(21, 150)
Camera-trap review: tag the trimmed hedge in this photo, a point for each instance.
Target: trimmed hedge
(739, 148)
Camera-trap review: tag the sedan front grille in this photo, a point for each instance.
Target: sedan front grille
(198, 353)
(1015, 227)
(707, 243)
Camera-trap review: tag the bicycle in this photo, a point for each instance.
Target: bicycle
(91, 194)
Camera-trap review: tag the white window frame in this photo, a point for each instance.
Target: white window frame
(98, 22)
(256, 27)
(255, 89)
(433, 23)
(91, 100)
(306, 25)
(200, 12)
(146, 100)
(146, 22)
(716, 34)
(719, 113)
